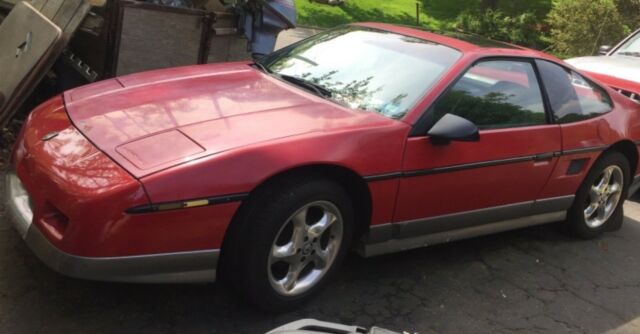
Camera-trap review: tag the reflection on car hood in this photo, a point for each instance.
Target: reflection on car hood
(623, 67)
(151, 121)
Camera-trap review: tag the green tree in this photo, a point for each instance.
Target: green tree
(579, 27)
(630, 11)
(489, 4)
(521, 29)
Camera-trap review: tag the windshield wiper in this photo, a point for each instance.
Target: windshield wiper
(318, 89)
(261, 66)
(629, 53)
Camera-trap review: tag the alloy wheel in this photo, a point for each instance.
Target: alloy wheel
(604, 196)
(305, 248)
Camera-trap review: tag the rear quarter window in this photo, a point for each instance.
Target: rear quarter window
(572, 97)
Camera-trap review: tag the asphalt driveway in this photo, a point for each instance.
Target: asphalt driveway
(531, 280)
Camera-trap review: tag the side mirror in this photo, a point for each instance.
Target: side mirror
(453, 128)
(604, 50)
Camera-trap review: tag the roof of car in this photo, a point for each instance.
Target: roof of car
(463, 42)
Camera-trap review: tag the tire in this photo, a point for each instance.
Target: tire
(605, 202)
(275, 220)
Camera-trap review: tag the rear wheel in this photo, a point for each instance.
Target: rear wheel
(598, 203)
(290, 241)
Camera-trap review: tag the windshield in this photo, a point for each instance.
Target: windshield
(631, 47)
(363, 68)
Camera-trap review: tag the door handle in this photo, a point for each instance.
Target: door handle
(543, 156)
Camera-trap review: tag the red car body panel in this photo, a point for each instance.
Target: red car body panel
(199, 112)
(215, 130)
(597, 132)
(617, 83)
(79, 197)
(492, 186)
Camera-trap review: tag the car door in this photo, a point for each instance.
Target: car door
(462, 184)
(577, 104)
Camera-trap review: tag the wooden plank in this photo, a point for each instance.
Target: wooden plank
(66, 12)
(37, 4)
(77, 18)
(51, 8)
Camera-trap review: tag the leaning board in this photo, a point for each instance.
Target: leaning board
(27, 38)
(32, 37)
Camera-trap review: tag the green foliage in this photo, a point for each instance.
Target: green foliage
(435, 14)
(571, 27)
(579, 27)
(521, 29)
(325, 16)
(630, 11)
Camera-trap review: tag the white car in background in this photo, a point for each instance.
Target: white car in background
(618, 67)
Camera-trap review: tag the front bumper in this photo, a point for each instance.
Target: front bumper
(181, 267)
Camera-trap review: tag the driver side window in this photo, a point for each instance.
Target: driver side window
(496, 94)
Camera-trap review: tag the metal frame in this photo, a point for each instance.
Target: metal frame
(208, 19)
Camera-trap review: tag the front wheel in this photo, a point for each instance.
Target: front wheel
(598, 203)
(305, 248)
(290, 242)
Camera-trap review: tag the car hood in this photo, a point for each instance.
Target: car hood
(155, 120)
(622, 67)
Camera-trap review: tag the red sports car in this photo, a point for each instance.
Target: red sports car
(370, 137)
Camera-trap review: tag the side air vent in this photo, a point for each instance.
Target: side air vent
(633, 96)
